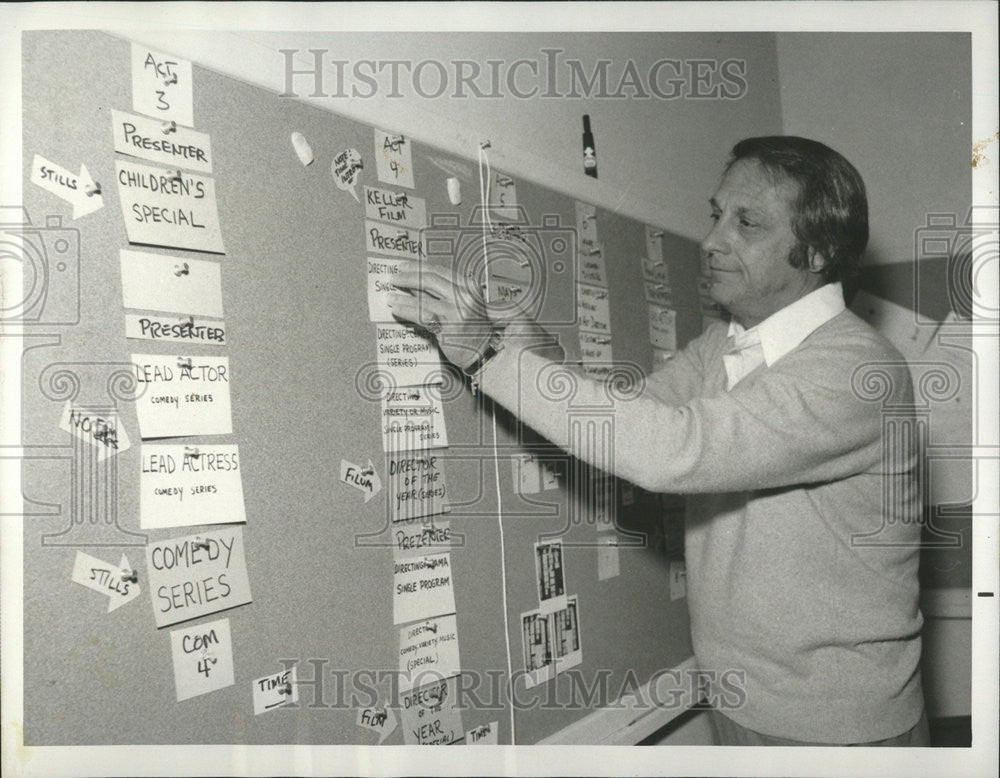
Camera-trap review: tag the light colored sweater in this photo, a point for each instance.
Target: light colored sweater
(784, 472)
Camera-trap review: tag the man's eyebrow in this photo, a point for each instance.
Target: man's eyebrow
(744, 211)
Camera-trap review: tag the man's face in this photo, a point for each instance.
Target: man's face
(747, 252)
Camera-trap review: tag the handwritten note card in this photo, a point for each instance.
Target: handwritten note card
(595, 349)
(422, 536)
(654, 244)
(593, 311)
(180, 486)
(182, 395)
(160, 282)
(394, 240)
(422, 587)
(162, 85)
(275, 691)
(406, 357)
(430, 714)
(165, 207)
(658, 294)
(527, 473)
(145, 138)
(399, 208)
(393, 159)
(413, 419)
(197, 575)
(203, 658)
(485, 735)
(503, 195)
(592, 269)
(663, 328)
(428, 652)
(586, 224)
(381, 273)
(607, 557)
(654, 272)
(104, 431)
(170, 329)
(417, 485)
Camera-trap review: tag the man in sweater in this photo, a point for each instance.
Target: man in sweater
(802, 522)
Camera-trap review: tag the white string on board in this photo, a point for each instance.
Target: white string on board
(484, 191)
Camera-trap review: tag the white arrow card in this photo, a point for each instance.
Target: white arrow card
(118, 584)
(79, 190)
(360, 477)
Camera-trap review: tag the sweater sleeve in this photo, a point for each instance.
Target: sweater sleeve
(795, 422)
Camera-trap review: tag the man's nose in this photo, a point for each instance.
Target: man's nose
(715, 242)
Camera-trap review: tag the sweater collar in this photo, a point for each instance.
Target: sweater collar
(783, 330)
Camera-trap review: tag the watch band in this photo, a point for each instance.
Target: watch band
(494, 345)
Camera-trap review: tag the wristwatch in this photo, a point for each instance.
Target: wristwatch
(494, 345)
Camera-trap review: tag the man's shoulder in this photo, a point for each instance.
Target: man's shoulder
(851, 335)
(847, 347)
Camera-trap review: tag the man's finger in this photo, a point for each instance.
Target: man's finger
(422, 312)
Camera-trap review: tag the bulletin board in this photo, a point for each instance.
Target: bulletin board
(300, 353)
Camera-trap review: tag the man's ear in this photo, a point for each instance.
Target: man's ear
(817, 260)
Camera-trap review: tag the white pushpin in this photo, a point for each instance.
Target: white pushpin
(302, 148)
(454, 191)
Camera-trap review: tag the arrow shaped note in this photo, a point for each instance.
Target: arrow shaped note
(79, 190)
(99, 576)
(382, 720)
(363, 478)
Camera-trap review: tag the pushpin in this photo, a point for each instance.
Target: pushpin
(302, 148)
(285, 688)
(595, 250)
(92, 189)
(185, 364)
(656, 234)
(181, 271)
(171, 79)
(130, 575)
(587, 217)
(454, 191)
(175, 175)
(169, 127)
(484, 144)
(199, 543)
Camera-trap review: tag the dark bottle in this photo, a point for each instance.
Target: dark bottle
(589, 149)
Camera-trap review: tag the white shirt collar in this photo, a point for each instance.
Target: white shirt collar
(783, 330)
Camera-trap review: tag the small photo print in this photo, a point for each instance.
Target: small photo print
(537, 640)
(550, 575)
(566, 642)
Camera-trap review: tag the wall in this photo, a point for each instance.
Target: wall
(660, 176)
(899, 107)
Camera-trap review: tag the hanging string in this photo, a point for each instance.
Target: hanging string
(487, 225)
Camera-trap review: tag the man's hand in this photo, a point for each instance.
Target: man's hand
(457, 315)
